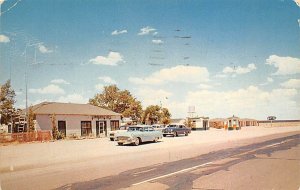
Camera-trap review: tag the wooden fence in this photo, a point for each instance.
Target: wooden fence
(26, 137)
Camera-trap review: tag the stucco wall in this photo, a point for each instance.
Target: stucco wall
(280, 124)
(73, 123)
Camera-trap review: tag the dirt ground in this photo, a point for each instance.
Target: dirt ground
(22, 156)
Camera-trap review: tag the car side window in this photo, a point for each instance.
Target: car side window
(150, 129)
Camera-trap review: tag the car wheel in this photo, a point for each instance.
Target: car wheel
(137, 141)
(164, 135)
(120, 144)
(186, 133)
(175, 134)
(156, 139)
(112, 139)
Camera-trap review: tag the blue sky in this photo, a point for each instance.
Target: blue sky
(222, 57)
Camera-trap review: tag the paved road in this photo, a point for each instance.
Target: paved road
(176, 163)
(272, 164)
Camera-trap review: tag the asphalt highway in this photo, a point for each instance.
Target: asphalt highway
(192, 173)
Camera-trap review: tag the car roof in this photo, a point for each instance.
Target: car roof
(142, 126)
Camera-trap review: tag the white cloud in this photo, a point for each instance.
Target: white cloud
(157, 42)
(284, 65)
(239, 70)
(219, 75)
(50, 89)
(4, 39)
(107, 80)
(246, 102)
(44, 49)
(292, 83)
(269, 80)
(99, 87)
(112, 59)
(116, 32)
(146, 30)
(204, 86)
(153, 96)
(73, 98)
(297, 2)
(59, 81)
(180, 73)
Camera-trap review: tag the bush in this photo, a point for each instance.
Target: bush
(230, 128)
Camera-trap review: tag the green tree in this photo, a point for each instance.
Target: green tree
(120, 101)
(155, 114)
(55, 133)
(31, 117)
(166, 116)
(7, 100)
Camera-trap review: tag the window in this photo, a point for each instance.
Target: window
(86, 128)
(114, 125)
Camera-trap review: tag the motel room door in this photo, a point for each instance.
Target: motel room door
(101, 130)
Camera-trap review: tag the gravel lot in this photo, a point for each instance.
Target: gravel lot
(22, 156)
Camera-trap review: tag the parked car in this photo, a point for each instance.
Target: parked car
(112, 134)
(158, 127)
(138, 134)
(176, 129)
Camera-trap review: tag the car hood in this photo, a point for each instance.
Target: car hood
(117, 131)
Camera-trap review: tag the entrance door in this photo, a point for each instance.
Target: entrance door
(62, 128)
(100, 128)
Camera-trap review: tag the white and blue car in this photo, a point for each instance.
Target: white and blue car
(138, 134)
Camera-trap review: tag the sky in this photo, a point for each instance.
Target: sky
(215, 58)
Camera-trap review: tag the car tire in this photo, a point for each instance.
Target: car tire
(137, 141)
(175, 134)
(112, 139)
(120, 144)
(186, 133)
(164, 135)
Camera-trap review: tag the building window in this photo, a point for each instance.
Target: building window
(86, 128)
(114, 125)
(62, 128)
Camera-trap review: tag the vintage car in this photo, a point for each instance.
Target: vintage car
(112, 134)
(158, 127)
(175, 130)
(138, 134)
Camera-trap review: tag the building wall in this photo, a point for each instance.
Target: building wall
(279, 123)
(73, 123)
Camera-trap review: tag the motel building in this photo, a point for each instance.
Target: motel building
(232, 122)
(81, 120)
(199, 123)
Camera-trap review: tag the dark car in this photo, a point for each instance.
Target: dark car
(175, 130)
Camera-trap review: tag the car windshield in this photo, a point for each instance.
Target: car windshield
(134, 128)
(172, 126)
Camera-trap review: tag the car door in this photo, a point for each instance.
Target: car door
(152, 134)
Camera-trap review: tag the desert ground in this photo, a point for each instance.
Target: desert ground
(58, 164)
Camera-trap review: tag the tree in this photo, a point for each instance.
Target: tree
(31, 117)
(120, 101)
(166, 116)
(154, 114)
(7, 100)
(55, 133)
